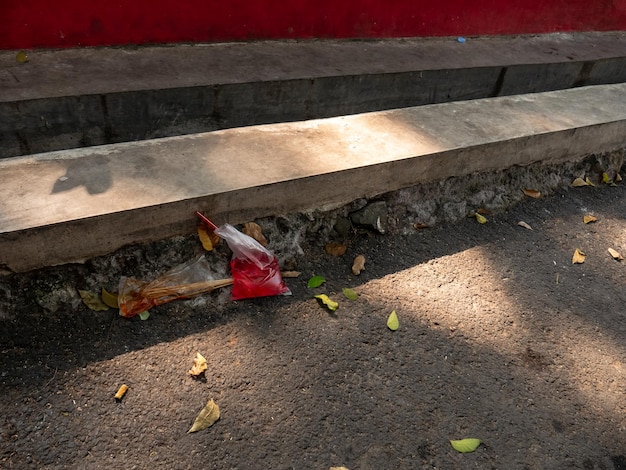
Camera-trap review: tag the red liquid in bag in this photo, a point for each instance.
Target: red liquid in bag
(250, 280)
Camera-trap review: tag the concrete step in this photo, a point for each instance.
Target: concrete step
(70, 205)
(74, 98)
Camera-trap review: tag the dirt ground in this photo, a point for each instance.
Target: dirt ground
(501, 338)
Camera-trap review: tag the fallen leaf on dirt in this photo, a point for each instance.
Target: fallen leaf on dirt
(350, 293)
(615, 254)
(521, 223)
(618, 177)
(338, 468)
(315, 281)
(199, 365)
(109, 299)
(465, 445)
(483, 211)
(579, 182)
(481, 218)
(144, 315)
(21, 57)
(589, 219)
(392, 322)
(606, 179)
(331, 304)
(208, 239)
(92, 300)
(579, 257)
(254, 230)
(121, 392)
(335, 249)
(419, 226)
(589, 183)
(209, 415)
(532, 193)
(290, 273)
(358, 265)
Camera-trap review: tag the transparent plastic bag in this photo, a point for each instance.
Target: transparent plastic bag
(254, 268)
(181, 282)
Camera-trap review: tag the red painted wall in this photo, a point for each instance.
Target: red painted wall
(67, 23)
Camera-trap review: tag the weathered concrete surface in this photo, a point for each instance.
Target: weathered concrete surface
(70, 205)
(75, 98)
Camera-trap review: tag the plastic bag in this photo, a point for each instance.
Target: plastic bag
(181, 282)
(254, 268)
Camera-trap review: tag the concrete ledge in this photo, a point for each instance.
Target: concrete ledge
(71, 205)
(76, 98)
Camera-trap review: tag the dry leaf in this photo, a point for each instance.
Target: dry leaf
(589, 183)
(290, 273)
(589, 219)
(418, 226)
(209, 415)
(121, 392)
(481, 218)
(484, 211)
(92, 300)
(615, 254)
(109, 299)
(208, 238)
(358, 265)
(579, 182)
(199, 365)
(21, 57)
(335, 249)
(579, 257)
(254, 230)
(618, 177)
(392, 322)
(521, 223)
(338, 468)
(532, 193)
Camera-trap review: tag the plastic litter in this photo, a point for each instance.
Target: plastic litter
(183, 281)
(254, 268)
(461, 39)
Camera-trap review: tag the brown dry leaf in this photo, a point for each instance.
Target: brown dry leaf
(579, 257)
(579, 182)
(615, 254)
(521, 223)
(618, 177)
(121, 392)
(419, 226)
(335, 249)
(92, 300)
(589, 183)
(589, 219)
(199, 365)
(290, 273)
(483, 211)
(208, 239)
(209, 415)
(338, 468)
(254, 230)
(532, 193)
(358, 265)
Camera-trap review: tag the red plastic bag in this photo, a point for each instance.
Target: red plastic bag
(254, 269)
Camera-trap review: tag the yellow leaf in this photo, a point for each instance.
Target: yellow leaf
(121, 392)
(335, 249)
(358, 265)
(579, 182)
(589, 183)
(254, 230)
(331, 304)
(579, 257)
(532, 193)
(615, 254)
(199, 365)
(465, 445)
(109, 299)
(521, 223)
(589, 219)
(208, 239)
(392, 322)
(92, 300)
(21, 57)
(209, 415)
(481, 218)
(606, 179)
